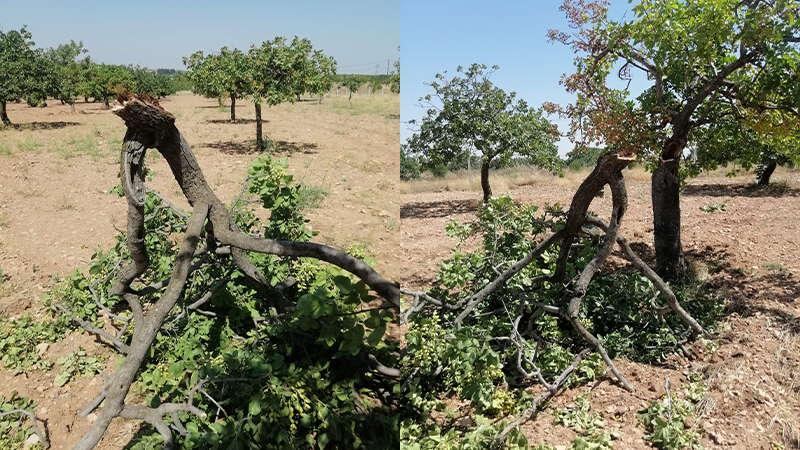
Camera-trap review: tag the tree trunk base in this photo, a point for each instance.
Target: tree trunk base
(670, 262)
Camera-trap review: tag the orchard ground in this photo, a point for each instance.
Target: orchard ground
(750, 250)
(56, 170)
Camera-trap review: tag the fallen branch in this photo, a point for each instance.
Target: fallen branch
(150, 126)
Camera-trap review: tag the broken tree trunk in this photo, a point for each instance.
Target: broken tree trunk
(150, 126)
(608, 171)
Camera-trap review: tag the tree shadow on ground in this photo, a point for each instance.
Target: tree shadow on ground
(444, 208)
(238, 121)
(294, 147)
(738, 190)
(233, 147)
(36, 126)
(749, 293)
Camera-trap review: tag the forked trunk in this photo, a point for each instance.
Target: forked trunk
(233, 108)
(3, 115)
(72, 107)
(487, 190)
(259, 132)
(666, 183)
(297, 94)
(85, 99)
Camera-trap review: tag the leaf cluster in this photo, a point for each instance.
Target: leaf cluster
(12, 431)
(19, 338)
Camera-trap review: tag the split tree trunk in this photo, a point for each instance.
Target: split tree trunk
(4, 115)
(666, 183)
(72, 107)
(259, 130)
(150, 126)
(487, 190)
(233, 108)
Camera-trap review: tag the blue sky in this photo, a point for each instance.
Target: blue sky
(441, 35)
(359, 34)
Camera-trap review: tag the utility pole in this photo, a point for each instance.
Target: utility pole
(387, 66)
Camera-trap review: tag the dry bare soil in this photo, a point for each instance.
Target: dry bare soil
(56, 169)
(751, 253)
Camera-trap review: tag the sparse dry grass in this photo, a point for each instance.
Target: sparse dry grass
(387, 104)
(504, 180)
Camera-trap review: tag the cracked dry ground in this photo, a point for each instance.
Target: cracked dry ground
(750, 251)
(55, 209)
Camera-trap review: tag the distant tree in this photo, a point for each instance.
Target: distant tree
(279, 68)
(727, 140)
(585, 157)
(104, 81)
(224, 74)
(20, 70)
(395, 85)
(316, 75)
(469, 112)
(409, 165)
(65, 71)
(352, 83)
(150, 82)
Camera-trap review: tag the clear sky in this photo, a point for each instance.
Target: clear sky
(360, 34)
(441, 35)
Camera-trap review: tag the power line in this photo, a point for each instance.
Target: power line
(365, 64)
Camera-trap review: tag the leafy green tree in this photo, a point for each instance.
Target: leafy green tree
(225, 74)
(469, 111)
(698, 55)
(20, 73)
(352, 83)
(585, 157)
(103, 81)
(395, 84)
(409, 165)
(201, 73)
(727, 140)
(279, 69)
(148, 81)
(316, 75)
(65, 71)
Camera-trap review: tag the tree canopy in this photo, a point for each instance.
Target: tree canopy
(468, 111)
(704, 60)
(224, 74)
(20, 72)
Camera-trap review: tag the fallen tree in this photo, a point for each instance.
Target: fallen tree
(287, 299)
(490, 310)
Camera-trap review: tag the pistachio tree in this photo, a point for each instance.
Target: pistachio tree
(696, 56)
(280, 68)
(223, 74)
(65, 69)
(19, 71)
(468, 112)
(352, 83)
